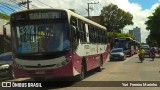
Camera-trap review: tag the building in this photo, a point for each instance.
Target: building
(131, 32)
(136, 32)
(2, 22)
(4, 46)
(96, 19)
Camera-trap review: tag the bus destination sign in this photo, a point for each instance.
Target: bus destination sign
(46, 15)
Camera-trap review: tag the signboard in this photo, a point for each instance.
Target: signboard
(38, 15)
(46, 15)
(26, 47)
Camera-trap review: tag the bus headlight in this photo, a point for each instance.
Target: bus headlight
(18, 65)
(58, 65)
(5, 66)
(63, 62)
(66, 61)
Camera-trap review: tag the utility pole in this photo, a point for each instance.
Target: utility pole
(90, 8)
(24, 3)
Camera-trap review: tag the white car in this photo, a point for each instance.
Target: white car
(117, 54)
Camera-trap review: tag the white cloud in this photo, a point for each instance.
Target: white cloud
(139, 15)
(80, 6)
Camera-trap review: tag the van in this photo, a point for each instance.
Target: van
(145, 46)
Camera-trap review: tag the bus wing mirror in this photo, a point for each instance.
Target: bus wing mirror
(74, 31)
(73, 28)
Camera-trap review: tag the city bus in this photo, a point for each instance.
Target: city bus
(126, 43)
(56, 43)
(136, 46)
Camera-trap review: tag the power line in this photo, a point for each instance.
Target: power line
(17, 3)
(90, 8)
(24, 3)
(34, 6)
(13, 5)
(44, 4)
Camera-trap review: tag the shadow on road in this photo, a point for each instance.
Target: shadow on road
(150, 60)
(116, 61)
(139, 62)
(56, 83)
(53, 83)
(3, 79)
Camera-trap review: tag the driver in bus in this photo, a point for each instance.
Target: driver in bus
(64, 43)
(59, 41)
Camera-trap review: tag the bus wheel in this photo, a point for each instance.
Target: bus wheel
(99, 69)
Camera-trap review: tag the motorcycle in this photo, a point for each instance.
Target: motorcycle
(141, 57)
(152, 55)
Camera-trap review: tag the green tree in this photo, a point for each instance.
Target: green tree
(112, 35)
(153, 25)
(115, 18)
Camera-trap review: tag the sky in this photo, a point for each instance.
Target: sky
(145, 4)
(140, 9)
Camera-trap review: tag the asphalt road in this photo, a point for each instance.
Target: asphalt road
(129, 72)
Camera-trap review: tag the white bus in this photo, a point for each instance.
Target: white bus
(56, 43)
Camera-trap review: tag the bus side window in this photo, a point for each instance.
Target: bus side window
(90, 33)
(100, 35)
(94, 35)
(104, 36)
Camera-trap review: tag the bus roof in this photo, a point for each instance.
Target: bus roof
(69, 12)
(85, 19)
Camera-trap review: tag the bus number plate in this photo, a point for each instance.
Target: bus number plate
(40, 72)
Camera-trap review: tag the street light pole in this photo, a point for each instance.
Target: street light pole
(28, 4)
(90, 8)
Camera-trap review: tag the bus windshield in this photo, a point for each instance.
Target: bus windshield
(122, 44)
(41, 37)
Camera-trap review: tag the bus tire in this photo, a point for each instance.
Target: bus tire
(99, 69)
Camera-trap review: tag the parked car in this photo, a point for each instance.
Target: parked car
(6, 65)
(117, 54)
